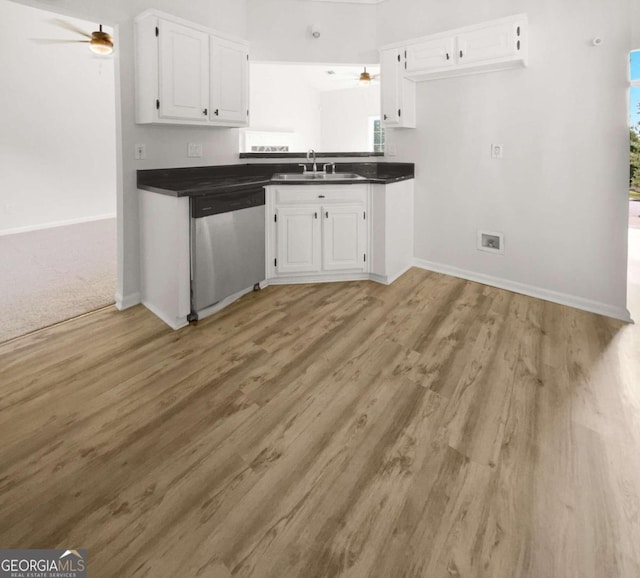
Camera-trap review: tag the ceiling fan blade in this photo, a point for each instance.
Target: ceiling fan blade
(68, 26)
(57, 41)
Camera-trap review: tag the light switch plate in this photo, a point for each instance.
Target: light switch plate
(140, 152)
(194, 150)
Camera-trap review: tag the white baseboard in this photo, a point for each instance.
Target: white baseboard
(172, 322)
(389, 279)
(124, 302)
(555, 297)
(56, 224)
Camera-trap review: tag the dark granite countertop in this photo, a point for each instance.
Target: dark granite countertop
(200, 181)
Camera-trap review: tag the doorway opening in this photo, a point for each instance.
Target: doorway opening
(58, 256)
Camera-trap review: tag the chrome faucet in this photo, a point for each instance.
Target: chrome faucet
(313, 154)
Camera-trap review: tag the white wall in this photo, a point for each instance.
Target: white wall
(279, 31)
(345, 118)
(282, 101)
(57, 113)
(559, 195)
(166, 146)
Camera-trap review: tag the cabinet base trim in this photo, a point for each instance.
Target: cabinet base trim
(320, 278)
(532, 291)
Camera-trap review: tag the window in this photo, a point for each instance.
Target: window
(376, 133)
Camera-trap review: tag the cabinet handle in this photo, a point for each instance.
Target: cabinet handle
(326, 214)
(321, 196)
(384, 117)
(205, 111)
(461, 54)
(448, 57)
(518, 45)
(216, 112)
(315, 215)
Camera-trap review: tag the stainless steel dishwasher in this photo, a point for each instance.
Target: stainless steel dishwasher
(227, 246)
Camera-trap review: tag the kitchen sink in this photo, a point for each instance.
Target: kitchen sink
(317, 177)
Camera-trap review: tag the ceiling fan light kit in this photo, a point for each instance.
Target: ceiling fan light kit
(101, 42)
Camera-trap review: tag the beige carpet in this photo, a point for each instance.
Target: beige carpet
(55, 274)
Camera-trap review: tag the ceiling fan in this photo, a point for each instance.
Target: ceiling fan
(99, 41)
(367, 78)
(363, 78)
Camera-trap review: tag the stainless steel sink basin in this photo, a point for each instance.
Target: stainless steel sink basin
(317, 177)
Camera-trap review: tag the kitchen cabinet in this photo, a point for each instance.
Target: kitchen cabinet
(187, 74)
(398, 93)
(229, 82)
(485, 47)
(183, 59)
(317, 232)
(431, 54)
(298, 240)
(344, 238)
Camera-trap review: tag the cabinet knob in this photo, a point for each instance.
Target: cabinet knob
(216, 112)
(205, 111)
(384, 117)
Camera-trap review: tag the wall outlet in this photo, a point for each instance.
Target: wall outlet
(194, 150)
(140, 152)
(490, 242)
(496, 151)
(390, 149)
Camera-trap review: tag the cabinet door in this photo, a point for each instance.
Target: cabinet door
(183, 72)
(229, 82)
(431, 54)
(390, 86)
(298, 239)
(344, 237)
(497, 41)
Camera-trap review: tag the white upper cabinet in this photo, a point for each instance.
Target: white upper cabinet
(489, 46)
(187, 74)
(229, 81)
(398, 93)
(494, 42)
(431, 54)
(184, 72)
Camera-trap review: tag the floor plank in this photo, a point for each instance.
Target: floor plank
(434, 428)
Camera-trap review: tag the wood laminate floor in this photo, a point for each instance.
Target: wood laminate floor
(433, 428)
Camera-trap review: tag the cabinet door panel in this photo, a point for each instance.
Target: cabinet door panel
(183, 72)
(390, 86)
(431, 54)
(229, 81)
(298, 240)
(488, 43)
(344, 238)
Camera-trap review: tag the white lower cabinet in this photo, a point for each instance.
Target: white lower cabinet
(344, 238)
(297, 246)
(317, 232)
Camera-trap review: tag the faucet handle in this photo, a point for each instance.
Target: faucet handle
(304, 167)
(332, 165)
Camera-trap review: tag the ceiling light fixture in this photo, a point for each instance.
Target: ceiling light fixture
(365, 77)
(101, 42)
